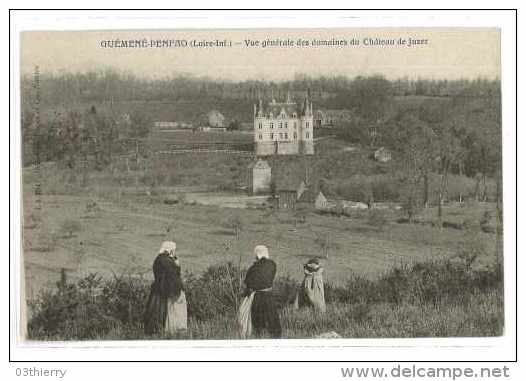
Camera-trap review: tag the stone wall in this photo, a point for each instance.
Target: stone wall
(308, 147)
(265, 149)
(288, 148)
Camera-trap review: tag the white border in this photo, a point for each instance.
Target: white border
(450, 349)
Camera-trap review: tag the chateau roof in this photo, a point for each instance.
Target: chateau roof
(288, 107)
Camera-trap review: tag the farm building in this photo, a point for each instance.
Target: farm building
(383, 155)
(259, 177)
(215, 119)
(287, 198)
(294, 186)
(321, 201)
(172, 125)
(331, 118)
(212, 129)
(166, 124)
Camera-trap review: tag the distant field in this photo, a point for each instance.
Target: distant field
(180, 139)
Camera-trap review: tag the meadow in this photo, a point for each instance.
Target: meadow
(89, 227)
(125, 228)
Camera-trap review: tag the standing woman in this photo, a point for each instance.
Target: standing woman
(311, 293)
(258, 310)
(166, 310)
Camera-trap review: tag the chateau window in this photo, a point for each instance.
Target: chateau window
(307, 124)
(307, 135)
(281, 136)
(260, 137)
(295, 136)
(295, 125)
(286, 136)
(280, 125)
(271, 136)
(260, 126)
(286, 125)
(271, 125)
(294, 115)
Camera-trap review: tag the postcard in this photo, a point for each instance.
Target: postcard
(261, 185)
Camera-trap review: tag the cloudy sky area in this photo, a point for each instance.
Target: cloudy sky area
(448, 54)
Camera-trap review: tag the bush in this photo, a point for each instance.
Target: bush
(89, 308)
(94, 307)
(215, 293)
(46, 242)
(69, 227)
(377, 218)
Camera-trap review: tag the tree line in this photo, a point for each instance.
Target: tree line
(432, 126)
(109, 84)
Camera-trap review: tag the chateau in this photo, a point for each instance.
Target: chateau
(283, 128)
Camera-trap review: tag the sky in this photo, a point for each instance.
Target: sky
(444, 53)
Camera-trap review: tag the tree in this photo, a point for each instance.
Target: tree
(69, 227)
(300, 214)
(325, 243)
(448, 149)
(234, 125)
(377, 218)
(140, 124)
(417, 146)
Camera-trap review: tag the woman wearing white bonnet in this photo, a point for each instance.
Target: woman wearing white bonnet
(258, 310)
(166, 310)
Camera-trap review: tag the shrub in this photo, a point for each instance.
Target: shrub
(488, 223)
(46, 242)
(377, 218)
(69, 227)
(235, 222)
(94, 307)
(31, 221)
(216, 292)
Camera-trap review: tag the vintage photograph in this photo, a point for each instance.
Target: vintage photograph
(261, 184)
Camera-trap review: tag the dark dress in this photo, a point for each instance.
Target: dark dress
(260, 276)
(167, 284)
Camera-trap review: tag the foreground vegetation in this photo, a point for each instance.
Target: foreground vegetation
(431, 299)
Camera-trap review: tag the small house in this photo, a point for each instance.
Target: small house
(331, 118)
(383, 155)
(321, 201)
(165, 125)
(212, 129)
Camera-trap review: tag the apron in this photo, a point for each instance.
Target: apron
(176, 316)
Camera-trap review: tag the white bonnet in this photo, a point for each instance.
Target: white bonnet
(168, 247)
(261, 251)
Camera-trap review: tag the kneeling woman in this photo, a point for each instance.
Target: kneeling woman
(166, 310)
(258, 310)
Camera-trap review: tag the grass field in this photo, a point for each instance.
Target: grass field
(123, 235)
